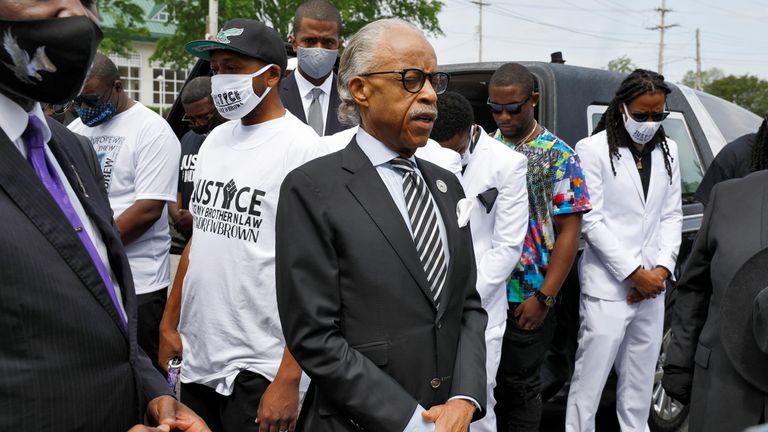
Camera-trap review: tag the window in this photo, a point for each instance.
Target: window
(166, 85)
(129, 73)
(691, 171)
(162, 15)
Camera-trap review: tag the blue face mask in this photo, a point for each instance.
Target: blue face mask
(96, 115)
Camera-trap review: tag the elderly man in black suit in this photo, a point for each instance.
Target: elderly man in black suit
(717, 357)
(375, 272)
(69, 357)
(310, 92)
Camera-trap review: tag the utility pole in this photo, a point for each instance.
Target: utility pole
(213, 19)
(698, 62)
(662, 28)
(480, 4)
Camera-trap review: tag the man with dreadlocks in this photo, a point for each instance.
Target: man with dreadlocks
(744, 155)
(632, 238)
(557, 197)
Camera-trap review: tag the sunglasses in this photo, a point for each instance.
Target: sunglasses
(89, 99)
(199, 119)
(413, 79)
(511, 108)
(656, 117)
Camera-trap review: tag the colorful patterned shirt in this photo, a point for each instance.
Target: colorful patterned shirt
(556, 186)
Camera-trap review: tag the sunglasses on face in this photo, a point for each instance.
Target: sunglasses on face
(511, 108)
(413, 79)
(205, 118)
(91, 100)
(644, 116)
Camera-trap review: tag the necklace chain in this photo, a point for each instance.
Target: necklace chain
(527, 137)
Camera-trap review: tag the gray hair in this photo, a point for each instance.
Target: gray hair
(361, 56)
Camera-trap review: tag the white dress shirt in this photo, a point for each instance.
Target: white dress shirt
(380, 155)
(305, 91)
(13, 121)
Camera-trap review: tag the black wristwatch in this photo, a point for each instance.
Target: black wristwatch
(548, 301)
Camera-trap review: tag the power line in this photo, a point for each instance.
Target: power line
(662, 29)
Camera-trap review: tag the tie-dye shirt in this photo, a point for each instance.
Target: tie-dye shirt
(556, 186)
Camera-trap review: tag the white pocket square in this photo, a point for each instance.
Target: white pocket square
(464, 210)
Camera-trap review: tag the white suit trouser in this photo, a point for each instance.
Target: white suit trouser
(493, 339)
(629, 336)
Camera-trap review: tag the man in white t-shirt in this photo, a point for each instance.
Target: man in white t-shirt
(236, 370)
(139, 156)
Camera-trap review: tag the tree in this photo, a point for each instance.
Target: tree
(190, 18)
(747, 91)
(707, 76)
(621, 64)
(122, 21)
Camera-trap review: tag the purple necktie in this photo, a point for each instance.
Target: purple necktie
(33, 139)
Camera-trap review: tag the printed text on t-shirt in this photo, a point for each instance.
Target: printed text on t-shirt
(224, 209)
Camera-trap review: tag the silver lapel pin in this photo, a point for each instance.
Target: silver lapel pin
(441, 186)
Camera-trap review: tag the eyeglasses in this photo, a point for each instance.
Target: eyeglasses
(512, 108)
(413, 79)
(205, 118)
(644, 116)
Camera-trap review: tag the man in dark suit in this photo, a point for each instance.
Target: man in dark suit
(699, 367)
(310, 92)
(375, 274)
(70, 360)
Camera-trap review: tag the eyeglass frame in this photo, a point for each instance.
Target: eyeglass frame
(655, 116)
(80, 99)
(518, 106)
(424, 75)
(191, 119)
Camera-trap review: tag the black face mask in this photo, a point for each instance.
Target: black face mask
(206, 128)
(47, 60)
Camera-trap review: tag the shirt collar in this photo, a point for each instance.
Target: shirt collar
(305, 87)
(13, 119)
(375, 150)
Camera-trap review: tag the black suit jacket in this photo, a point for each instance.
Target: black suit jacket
(735, 227)
(66, 362)
(354, 301)
(289, 94)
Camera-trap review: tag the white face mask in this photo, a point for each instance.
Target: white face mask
(316, 62)
(233, 94)
(640, 132)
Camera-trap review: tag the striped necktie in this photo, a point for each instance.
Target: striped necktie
(426, 230)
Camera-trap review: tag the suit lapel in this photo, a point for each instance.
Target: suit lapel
(292, 97)
(369, 190)
(628, 162)
(22, 185)
(332, 121)
(450, 221)
(656, 183)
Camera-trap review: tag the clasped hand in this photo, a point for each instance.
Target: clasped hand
(647, 284)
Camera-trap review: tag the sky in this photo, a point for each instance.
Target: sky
(734, 34)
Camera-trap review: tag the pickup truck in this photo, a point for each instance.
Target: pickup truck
(572, 100)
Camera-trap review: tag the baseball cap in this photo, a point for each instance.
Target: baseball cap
(245, 36)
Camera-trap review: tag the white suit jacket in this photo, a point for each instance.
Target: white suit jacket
(497, 236)
(624, 229)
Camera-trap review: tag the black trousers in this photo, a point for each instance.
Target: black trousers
(518, 382)
(233, 413)
(150, 310)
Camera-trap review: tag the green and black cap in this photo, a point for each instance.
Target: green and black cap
(245, 36)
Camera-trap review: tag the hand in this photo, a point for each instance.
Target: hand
(649, 283)
(453, 416)
(530, 313)
(170, 346)
(634, 296)
(279, 407)
(172, 415)
(142, 428)
(183, 222)
(677, 382)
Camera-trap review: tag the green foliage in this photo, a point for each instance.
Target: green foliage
(707, 76)
(190, 17)
(621, 64)
(124, 21)
(747, 91)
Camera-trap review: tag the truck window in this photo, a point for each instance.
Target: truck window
(691, 169)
